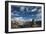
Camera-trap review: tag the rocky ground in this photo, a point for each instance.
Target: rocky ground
(26, 24)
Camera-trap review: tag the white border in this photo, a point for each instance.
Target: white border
(23, 29)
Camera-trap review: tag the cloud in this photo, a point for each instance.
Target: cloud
(34, 9)
(32, 15)
(15, 11)
(16, 15)
(20, 20)
(39, 10)
(30, 19)
(22, 8)
(27, 9)
(12, 13)
(38, 17)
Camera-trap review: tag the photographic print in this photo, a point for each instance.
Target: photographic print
(24, 17)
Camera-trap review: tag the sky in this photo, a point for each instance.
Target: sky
(25, 13)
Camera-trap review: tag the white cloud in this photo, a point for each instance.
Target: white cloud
(16, 14)
(30, 19)
(27, 9)
(22, 8)
(38, 17)
(32, 15)
(12, 13)
(20, 20)
(39, 10)
(34, 9)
